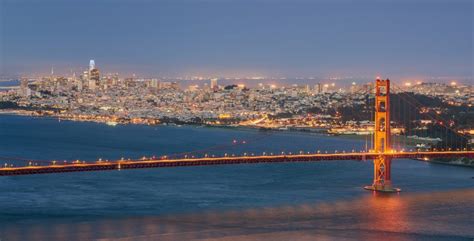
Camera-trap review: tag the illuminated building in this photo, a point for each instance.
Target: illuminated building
(325, 88)
(154, 83)
(94, 75)
(318, 88)
(214, 84)
(91, 64)
(353, 87)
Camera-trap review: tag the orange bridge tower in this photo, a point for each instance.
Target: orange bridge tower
(382, 164)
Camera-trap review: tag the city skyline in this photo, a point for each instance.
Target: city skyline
(235, 38)
(250, 81)
(236, 120)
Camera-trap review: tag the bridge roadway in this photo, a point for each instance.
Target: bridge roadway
(154, 163)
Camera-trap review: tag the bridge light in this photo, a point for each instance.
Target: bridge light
(263, 153)
(245, 153)
(319, 151)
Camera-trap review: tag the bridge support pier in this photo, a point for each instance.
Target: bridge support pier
(385, 189)
(382, 176)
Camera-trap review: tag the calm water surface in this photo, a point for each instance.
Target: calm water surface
(297, 201)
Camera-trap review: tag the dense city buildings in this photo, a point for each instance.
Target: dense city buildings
(321, 107)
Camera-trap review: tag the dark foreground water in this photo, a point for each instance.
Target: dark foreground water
(298, 201)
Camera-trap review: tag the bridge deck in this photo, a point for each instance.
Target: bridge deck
(154, 163)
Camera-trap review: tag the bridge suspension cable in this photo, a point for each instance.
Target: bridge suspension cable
(450, 139)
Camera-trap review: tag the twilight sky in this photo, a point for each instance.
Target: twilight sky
(239, 37)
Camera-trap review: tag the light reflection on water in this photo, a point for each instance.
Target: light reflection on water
(219, 202)
(433, 216)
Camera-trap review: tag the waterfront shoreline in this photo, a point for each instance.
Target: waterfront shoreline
(319, 131)
(448, 163)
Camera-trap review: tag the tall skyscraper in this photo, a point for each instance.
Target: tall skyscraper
(92, 84)
(91, 64)
(353, 88)
(318, 88)
(214, 85)
(154, 83)
(94, 75)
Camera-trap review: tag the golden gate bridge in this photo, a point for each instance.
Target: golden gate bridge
(382, 151)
